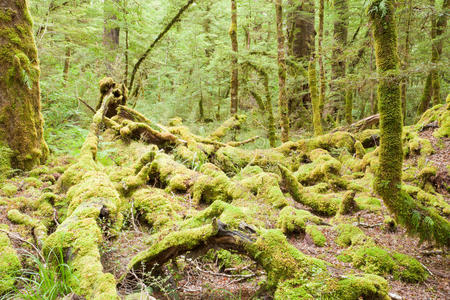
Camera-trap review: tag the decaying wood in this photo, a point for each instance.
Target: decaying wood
(360, 125)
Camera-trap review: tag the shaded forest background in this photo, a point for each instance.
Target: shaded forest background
(188, 72)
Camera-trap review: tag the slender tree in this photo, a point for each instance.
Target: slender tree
(405, 61)
(234, 60)
(282, 100)
(320, 55)
(20, 103)
(420, 220)
(312, 74)
(111, 32)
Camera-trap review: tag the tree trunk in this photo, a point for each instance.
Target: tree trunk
(21, 123)
(417, 219)
(111, 32)
(312, 74)
(320, 57)
(404, 83)
(338, 66)
(67, 63)
(282, 100)
(426, 96)
(439, 26)
(234, 60)
(300, 39)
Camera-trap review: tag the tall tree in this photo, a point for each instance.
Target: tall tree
(418, 219)
(234, 91)
(21, 124)
(312, 74)
(111, 31)
(440, 25)
(338, 66)
(405, 61)
(320, 55)
(282, 100)
(301, 45)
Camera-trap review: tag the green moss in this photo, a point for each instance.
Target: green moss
(349, 235)
(36, 172)
(368, 203)
(9, 189)
(373, 260)
(293, 220)
(34, 182)
(362, 287)
(317, 119)
(9, 262)
(5, 162)
(156, 207)
(233, 123)
(348, 204)
(17, 217)
(360, 151)
(316, 235)
(408, 269)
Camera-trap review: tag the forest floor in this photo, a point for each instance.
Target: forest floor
(222, 274)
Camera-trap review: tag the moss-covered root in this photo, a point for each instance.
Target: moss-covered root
(9, 262)
(293, 220)
(39, 229)
(290, 273)
(321, 204)
(234, 122)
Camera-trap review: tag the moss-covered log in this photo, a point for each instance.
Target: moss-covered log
(21, 123)
(93, 212)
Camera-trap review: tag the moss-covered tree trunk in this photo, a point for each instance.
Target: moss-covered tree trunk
(439, 26)
(418, 219)
(300, 45)
(391, 151)
(21, 123)
(338, 66)
(320, 56)
(404, 83)
(234, 59)
(282, 99)
(312, 74)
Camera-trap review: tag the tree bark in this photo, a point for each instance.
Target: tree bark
(417, 219)
(67, 62)
(320, 56)
(439, 25)
(338, 66)
(234, 60)
(301, 46)
(21, 123)
(315, 98)
(282, 99)
(111, 32)
(404, 83)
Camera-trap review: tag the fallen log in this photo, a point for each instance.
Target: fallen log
(361, 125)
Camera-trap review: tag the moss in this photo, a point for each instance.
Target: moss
(5, 162)
(368, 203)
(348, 204)
(444, 122)
(373, 260)
(266, 188)
(316, 235)
(408, 269)
(36, 172)
(349, 235)
(9, 262)
(436, 201)
(156, 207)
(214, 185)
(17, 217)
(389, 224)
(34, 182)
(293, 220)
(9, 189)
(233, 123)
(362, 287)
(360, 151)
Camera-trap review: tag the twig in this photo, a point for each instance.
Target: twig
(369, 226)
(12, 235)
(55, 216)
(87, 105)
(132, 215)
(428, 270)
(430, 253)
